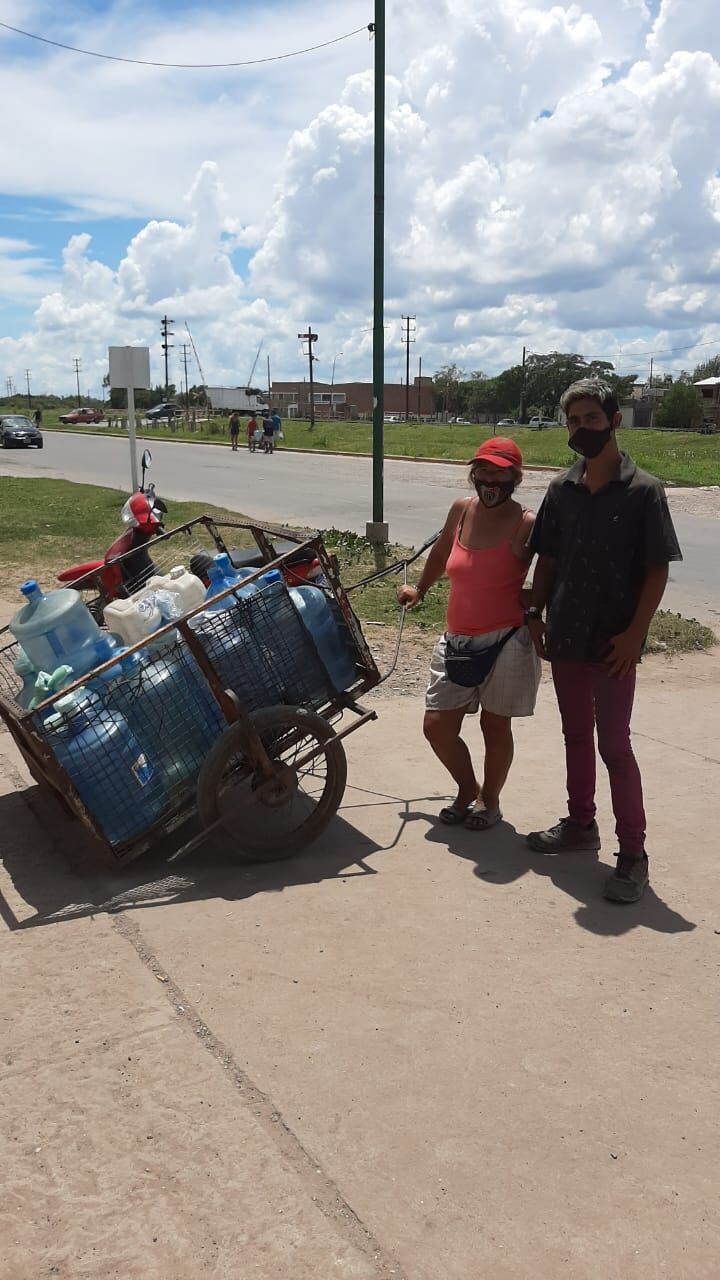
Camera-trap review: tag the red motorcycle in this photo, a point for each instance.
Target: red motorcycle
(142, 516)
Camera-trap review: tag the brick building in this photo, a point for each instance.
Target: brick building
(709, 389)
(350, 400)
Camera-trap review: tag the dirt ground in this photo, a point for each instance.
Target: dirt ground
(412, 1052)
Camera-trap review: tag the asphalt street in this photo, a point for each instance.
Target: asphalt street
(321, 491)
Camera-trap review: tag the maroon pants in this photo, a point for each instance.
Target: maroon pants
(588, 698)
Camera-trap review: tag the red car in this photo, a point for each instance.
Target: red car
(85, 414)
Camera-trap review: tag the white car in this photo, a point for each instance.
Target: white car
(507, 422)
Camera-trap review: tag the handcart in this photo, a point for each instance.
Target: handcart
(271, 773)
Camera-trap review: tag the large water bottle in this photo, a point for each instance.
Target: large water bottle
(55, 628)
(317, 618)
(223, 574)
(115, 778)
(167, 704)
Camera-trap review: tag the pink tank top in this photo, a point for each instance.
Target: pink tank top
(485, 585)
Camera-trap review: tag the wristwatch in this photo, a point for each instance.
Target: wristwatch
(533, 614)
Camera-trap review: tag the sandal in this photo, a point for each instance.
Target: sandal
(483, 819)
(453, 815)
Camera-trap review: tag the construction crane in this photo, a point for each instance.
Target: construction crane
(257, 357)
(197, 358)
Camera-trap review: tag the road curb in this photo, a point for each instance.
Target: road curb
(321, 453)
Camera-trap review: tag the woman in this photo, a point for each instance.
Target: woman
(486, 658)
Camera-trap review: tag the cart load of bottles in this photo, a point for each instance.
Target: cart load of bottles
(133, 737)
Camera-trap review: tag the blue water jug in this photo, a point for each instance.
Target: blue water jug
(223, 574)
(167, 703)
(317, 617)
(55, 629)
(114, 777)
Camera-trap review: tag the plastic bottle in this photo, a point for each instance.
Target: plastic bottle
(317, 617)
(27, 673)
(55, 628)
(116, 780)
(221, 575)
(133, 620)
(168, 705)
(186, 587)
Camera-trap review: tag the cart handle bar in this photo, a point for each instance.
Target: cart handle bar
(396, 567)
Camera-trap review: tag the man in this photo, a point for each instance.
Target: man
(234, 429)
(277, 427)
(605, 539)
(251, 432)
(268, 441)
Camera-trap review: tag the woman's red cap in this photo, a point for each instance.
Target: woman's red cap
(500, 451)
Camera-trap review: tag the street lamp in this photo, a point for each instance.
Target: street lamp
(332, 384)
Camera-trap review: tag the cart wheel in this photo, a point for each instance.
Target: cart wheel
(289, 812)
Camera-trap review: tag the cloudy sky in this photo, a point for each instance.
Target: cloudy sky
(553, 180)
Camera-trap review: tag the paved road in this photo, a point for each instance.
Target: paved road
(322, 491)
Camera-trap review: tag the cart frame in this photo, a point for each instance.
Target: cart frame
(45, 768)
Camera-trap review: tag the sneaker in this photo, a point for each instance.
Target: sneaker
(630, 878)
(566, 836)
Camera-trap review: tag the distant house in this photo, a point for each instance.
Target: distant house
(351, 400)
(709, 389)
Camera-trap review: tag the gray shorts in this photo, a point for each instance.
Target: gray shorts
(509, 690)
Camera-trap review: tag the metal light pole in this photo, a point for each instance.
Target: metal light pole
(377, 531)
(332, 383)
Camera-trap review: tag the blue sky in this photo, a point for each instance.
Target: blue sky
(552, 180)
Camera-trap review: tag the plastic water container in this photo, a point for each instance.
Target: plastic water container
(133, 619)
(317, 617)
(221, 575)
(55, 628)
(167, 705)
(114, 777)
(188, 590)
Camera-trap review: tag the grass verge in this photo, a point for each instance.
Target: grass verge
(682, 457)
(48, 525)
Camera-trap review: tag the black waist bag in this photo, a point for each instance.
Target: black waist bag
(470, 669)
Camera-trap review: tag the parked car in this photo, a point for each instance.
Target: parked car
(392, 417)
(83, 414)
(507, 422)
(18, 432)
(167, 410)
(543, 422)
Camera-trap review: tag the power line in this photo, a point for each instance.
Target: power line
(182, 66)
(407, 337)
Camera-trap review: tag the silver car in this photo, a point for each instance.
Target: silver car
(18, 432)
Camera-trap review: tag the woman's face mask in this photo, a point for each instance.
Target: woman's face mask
(493, 495)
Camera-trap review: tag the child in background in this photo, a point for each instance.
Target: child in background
(251, 429)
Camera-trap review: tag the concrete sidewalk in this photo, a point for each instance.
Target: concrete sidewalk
(414, 1052)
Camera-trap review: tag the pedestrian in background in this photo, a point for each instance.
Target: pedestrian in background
(605, 540)
(251, 430)
(277, 427)
(234, 429)
(268, 443)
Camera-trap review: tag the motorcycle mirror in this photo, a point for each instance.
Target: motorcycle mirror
(146, 460)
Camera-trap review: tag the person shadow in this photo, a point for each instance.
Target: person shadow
(502, 856)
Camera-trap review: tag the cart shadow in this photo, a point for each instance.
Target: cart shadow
(501, 856)
(54, 867)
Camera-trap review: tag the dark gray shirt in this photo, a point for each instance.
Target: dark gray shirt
(605, 544)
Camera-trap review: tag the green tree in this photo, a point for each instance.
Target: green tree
(708, 369)
(681, 408)
(448, 382)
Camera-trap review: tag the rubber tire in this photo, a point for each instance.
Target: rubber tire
(5, 443)
(41, 444)
(266, 720)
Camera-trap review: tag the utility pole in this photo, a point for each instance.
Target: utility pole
(309, 338)
(10, 388)
(523, 393)
(332, 383)
(419, 387)
(166, 333)
(27, 380)
(407, 340)
(185, 347)
(377, 531)
(269, 383)
(652, 362)
(77, 366)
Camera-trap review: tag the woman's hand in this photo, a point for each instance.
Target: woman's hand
(536, 627)
(409, 597)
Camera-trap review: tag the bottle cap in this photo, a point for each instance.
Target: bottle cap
(272, 575)
(30, 587)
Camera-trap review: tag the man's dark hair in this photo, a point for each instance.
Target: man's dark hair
(592, 389)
